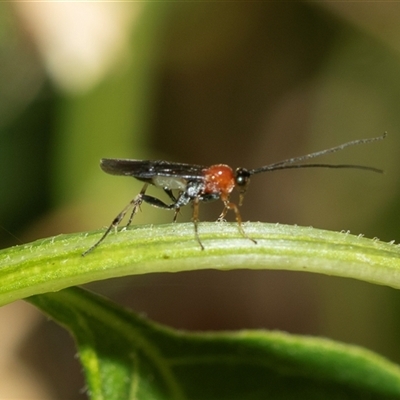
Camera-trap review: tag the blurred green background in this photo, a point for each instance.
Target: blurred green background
(245, 84)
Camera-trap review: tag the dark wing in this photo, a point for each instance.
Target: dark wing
(146, 170)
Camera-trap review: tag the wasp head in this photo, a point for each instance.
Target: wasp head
(242, 180)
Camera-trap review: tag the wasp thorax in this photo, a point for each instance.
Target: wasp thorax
(219, 179)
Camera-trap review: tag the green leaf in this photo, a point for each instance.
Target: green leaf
(127, 357)
(56, 263)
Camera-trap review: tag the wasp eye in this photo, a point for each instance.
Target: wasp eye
(242, 177)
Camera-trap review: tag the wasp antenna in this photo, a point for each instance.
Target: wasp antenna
(286, 164)
(354, 166)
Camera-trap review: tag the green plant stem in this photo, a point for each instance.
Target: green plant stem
(56, 263)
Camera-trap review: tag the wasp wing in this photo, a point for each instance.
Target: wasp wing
(146, 170)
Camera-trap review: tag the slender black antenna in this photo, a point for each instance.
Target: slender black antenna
(286, 164)
(354, 166)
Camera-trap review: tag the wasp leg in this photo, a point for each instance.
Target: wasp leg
(177, 210)
(173, 198)
(153, 201)
(176, 205)
(195, 219)
(234, 207)
(170, 194)
(223, 214)
(191, 194)
(135, 203)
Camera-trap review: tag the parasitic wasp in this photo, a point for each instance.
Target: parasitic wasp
(187, 183)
